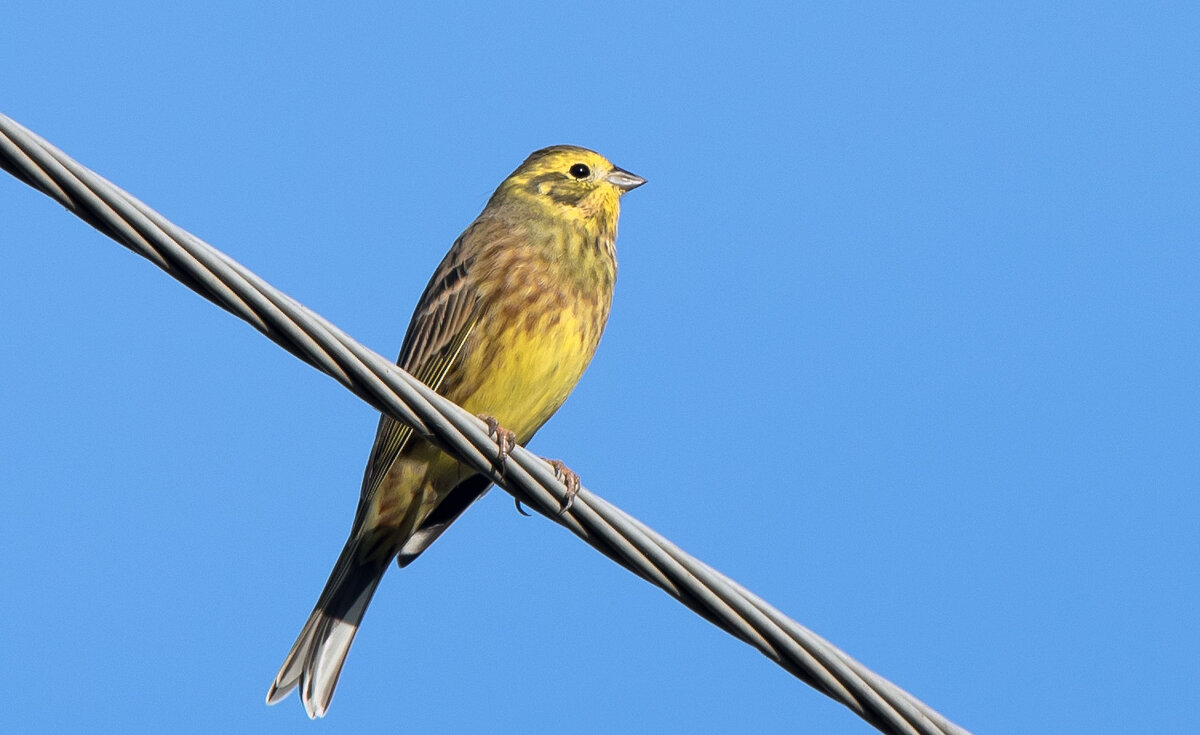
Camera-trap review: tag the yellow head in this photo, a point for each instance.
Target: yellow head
(568, 182)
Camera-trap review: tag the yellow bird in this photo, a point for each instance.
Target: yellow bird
(505, 328)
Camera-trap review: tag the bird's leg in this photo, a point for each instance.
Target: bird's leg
(505, 439)
(566, 476)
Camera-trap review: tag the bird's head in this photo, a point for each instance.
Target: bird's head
(570, 181)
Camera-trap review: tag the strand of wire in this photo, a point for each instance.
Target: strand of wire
(528, 478)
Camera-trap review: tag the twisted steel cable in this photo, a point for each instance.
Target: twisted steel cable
(528, 478)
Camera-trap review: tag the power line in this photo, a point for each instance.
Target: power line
(530, 479)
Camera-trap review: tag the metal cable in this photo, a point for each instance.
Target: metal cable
(527, 477)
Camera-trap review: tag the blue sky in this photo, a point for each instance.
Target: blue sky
(905, 340)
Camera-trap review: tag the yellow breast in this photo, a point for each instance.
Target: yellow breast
(525, 368)
(537, 332)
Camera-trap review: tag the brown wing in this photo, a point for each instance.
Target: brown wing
(448, 311)
(441, 323)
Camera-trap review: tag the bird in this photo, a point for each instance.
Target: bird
(505, 328)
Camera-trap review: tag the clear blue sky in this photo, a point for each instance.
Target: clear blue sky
(905, 339)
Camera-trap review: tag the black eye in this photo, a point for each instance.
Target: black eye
(580, 171)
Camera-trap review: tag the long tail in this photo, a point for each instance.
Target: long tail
(316, 658)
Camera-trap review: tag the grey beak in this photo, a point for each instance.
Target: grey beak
(624, 180)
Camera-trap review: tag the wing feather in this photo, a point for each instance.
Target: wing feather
(443, 320)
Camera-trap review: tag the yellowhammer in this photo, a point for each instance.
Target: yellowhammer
(505, 328)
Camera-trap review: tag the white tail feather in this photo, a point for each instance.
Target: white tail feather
(315, 661)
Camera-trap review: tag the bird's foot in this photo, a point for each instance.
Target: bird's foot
(566, 476)
(505, 439)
